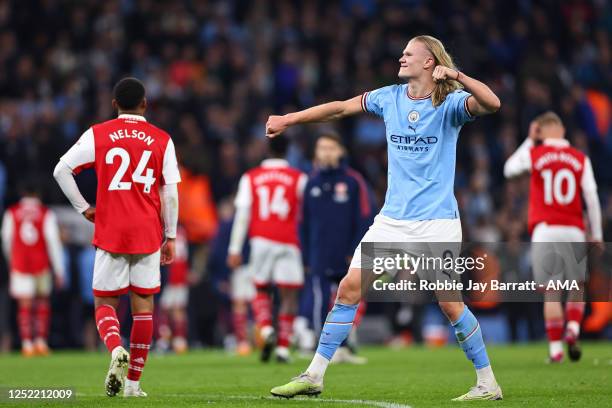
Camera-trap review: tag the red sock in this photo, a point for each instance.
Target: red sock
(163, 330)
(140, 342)
(262, 309)
(24, 321)
(41, 323)
(180, 327)
(574, 311)
(554, 329)
(108, 326)
(285, 329)
(240, 321)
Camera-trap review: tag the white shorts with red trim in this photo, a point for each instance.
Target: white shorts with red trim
(116, 274)
(241, 283)
(174, 296)
(277, 263)
(29, 285)
(558, 252)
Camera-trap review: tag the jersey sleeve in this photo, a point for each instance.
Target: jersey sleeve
(458, 108)
(170, 170)
(520, 161)
(243, 196)
(82, 154)
(591, 200)
(8, 226)
(373, 101)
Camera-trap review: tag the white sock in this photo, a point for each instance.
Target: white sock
(282, 352)
(555, 347)
(317, 367)
(115, 351)
(133, 384)
(485, 376)
(574, 327)
(266, 331)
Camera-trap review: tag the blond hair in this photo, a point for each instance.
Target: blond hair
(548, 118)
(441, 57)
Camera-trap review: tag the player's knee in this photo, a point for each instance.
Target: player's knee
(452, 310)
(349, 291)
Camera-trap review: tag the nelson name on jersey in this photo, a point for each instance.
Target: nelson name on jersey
(131, 134)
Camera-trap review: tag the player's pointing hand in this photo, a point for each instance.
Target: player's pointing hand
(276, 125)
(442, 73)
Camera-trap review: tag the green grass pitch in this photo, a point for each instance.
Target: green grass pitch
(415, 377)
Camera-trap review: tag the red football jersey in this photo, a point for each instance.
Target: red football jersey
(132, 158)
(555, 195)
(28, 248)
(179, 269)
(275, 203)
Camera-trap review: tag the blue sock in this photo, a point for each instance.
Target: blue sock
(337, 328)
(469, 335)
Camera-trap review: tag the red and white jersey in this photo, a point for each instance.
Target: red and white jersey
(132, 158)
(30, 237)
(179, 269)
(561, 176)
(272, 196)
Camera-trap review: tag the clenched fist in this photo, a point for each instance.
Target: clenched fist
(442, 73)
(276, 125)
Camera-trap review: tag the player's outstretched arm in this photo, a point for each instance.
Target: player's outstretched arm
(320, 113)
(483, 100)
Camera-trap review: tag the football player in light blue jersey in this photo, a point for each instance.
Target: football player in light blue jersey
(423, 118)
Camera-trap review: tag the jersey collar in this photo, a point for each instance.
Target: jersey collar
(414, 98)
(274, 163)
(132, 117)
(556, 142)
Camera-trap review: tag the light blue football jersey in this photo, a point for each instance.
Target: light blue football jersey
(421, 150)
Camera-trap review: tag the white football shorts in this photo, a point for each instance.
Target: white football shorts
(27, 285)
(558, 252)
(277, 263)
(117, 274)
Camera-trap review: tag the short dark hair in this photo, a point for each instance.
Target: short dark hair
(278, 146)
(129, 93)
(331, 135)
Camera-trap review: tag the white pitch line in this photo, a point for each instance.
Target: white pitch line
(372, 403)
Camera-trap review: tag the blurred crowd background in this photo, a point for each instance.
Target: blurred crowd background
(215, 70)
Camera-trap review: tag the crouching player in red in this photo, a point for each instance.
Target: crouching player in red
(31, 241)
(136, 167)
(561, 177)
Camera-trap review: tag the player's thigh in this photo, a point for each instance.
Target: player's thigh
(22, 285)
(44, 284)
(111, 273)
(288, 272)
(145, 273)
(262, 260)
(241, 284)
(382, 239)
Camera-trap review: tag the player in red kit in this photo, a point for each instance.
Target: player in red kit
(267, 208)
(136, 167)
(31, 244)
(174, 298)
(561, 177)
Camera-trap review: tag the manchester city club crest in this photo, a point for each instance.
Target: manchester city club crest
(413, 116)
